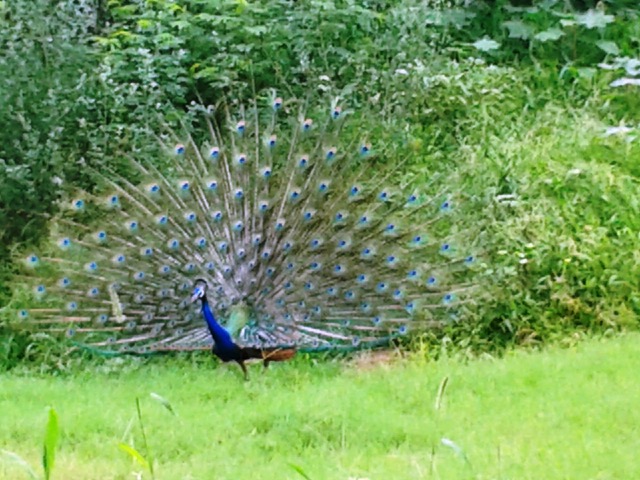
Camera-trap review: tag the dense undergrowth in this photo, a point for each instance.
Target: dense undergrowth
(527, 105)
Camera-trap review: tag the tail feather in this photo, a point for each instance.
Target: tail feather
(269, 354)
(299, 219)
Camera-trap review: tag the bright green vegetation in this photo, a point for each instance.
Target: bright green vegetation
(562, 414)
(557, 414)
(514, 101)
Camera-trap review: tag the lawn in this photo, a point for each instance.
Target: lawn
(558, 414)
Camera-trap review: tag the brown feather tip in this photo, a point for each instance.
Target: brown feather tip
(270, 354)
(279, 355)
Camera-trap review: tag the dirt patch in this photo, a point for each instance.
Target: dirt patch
(369, 360)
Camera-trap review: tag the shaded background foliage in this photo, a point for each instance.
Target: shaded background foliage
(494, 88)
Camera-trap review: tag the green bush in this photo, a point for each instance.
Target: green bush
(513, 98)
(565, 228)
(42, 73)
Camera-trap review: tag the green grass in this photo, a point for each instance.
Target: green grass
(560, 414)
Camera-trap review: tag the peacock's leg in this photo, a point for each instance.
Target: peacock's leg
(244, 369)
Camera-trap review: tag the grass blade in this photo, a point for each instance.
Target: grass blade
(164, 402)
(441, 390)
(127, 430)
(21, 462)
(456, 448)
(50, 443)
(300, 471)
(135, 454)
(144, 439)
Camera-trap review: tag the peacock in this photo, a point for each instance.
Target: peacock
(258, 231)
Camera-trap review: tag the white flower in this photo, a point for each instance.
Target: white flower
(607, 66)
(625, 81)
(633, 66)
(622, 130)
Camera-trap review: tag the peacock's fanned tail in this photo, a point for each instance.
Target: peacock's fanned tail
(284, 216)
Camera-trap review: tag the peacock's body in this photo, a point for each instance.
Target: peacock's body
(279, 235)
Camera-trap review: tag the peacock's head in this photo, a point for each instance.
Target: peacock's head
(199, 290)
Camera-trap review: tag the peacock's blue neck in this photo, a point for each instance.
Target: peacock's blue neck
(220, 336)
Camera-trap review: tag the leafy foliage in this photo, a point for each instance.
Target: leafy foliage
(513, 95)
(41, 74)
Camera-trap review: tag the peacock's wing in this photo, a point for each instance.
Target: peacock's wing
(299, 220)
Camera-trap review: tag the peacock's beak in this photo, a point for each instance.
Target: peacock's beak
(197, 295)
